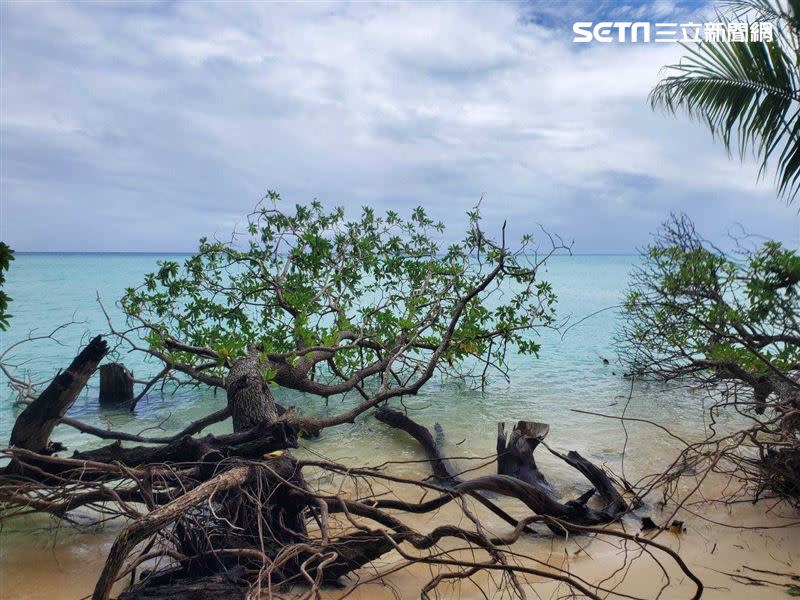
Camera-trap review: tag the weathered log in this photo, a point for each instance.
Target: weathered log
(209, 450)
(230, 585)
(259, 509)
(116, 385)
(533, 491)
(515, 454)
(33, 427)
(441, 467)
(613, 502)
(439, 464)
(353, 551)
(152, 522)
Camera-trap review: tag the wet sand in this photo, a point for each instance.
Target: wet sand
(40, 561)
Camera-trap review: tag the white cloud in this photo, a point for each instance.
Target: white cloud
(171, 120)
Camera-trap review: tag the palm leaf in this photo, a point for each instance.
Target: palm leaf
(747, 93)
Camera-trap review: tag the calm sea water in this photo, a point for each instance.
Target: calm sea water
(50, 289)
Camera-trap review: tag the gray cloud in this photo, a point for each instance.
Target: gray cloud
(145, 126)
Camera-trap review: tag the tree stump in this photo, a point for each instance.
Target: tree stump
(515, 453)
(116, 384)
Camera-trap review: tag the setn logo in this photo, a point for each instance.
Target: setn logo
(608, 31)
(642, 31)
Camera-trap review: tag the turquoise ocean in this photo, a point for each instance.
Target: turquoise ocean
(570, 375)
(51, 289)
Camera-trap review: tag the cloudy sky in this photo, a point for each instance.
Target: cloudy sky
(141, 127)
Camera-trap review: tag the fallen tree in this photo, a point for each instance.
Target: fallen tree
(518, 475)
(316, 304)
(310, 302)
(233, 516)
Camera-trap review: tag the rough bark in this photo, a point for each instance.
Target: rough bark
(259, 510)
(249, 397)
(33, 427)
(432, 445)
(150, 523)
(254, 444)
(169, 586)
(116, 385)
(613, 502)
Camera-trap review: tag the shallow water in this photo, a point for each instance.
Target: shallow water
(51, 289)
(48, 290)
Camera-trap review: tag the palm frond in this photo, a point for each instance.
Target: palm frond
(748, 93)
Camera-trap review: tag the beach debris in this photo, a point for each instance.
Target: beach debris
(221, 509)
(648, 524)
(677, 527)
(519, 471)
(515, 453)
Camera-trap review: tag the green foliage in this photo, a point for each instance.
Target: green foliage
(6, 256)
(748, 93)
(311, 280)
(693, 309)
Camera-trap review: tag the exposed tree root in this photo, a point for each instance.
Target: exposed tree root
(236, 516)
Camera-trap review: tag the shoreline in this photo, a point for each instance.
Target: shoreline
(717, 538)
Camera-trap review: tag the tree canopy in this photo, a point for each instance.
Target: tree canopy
(6, 256)
(694, 310)
(376, 304)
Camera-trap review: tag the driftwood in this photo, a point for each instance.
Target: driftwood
(253, 443)
(116, 385)
(229, 585)
(228, 530)
(441, 467)
(515, 455)
(33, 427)
(522, 478)
(209, 450)
(431, 445)
(156, 520)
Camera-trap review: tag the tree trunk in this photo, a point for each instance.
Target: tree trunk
(253, 443)
(116, 385)
(229, 585)
(249, 396)
(33, 427)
